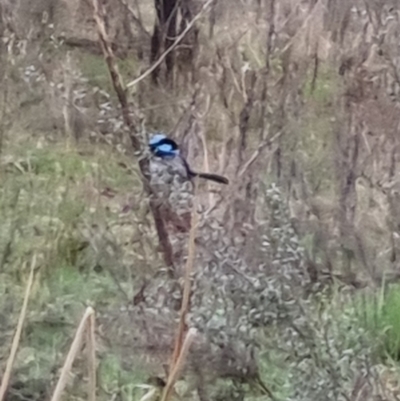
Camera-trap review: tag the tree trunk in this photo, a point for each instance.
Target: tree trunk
(166, 30)
(164, 35)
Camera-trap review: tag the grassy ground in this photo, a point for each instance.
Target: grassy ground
(57, 202)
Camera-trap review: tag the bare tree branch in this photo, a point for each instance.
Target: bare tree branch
(143, 163)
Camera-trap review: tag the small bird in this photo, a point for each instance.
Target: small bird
(167, 150)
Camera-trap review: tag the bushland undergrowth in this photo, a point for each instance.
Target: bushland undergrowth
(292, 283)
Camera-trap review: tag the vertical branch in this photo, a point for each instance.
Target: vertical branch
(164, 34)
(6, 61)
(3, 110)
(347, 143)
(114, 72)
(206, 162)
(187, 283)
(315, 72)
(264, 95)
(121, 93)
(341, 160)
(212, 20)
(244, 118)
(243, 207)
(91, 348)
(67, 99)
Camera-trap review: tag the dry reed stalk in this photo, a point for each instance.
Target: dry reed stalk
(91, 345)
(174, 373)
(73, 351)
(17, 336)
(66, 110)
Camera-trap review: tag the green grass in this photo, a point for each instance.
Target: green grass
(115, 378)
(275, 373)
(326, 85)
(94, 68)
(49, 196)
(379, 313)
(391, 321)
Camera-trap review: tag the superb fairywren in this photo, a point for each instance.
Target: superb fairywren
(167, 149)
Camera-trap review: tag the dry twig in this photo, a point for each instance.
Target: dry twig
(87, 322)
(17, 336)
(174, 374)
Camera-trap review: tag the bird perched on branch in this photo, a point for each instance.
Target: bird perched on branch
(171, 181)
(167, 152)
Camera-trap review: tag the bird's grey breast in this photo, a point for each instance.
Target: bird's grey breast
(170, 183)
(168, 170)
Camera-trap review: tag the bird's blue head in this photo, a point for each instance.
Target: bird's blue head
(162, 146)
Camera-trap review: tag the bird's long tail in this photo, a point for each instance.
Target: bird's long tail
(213, 177)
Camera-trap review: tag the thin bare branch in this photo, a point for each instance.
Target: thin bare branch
(258, 152)
(116, 77)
